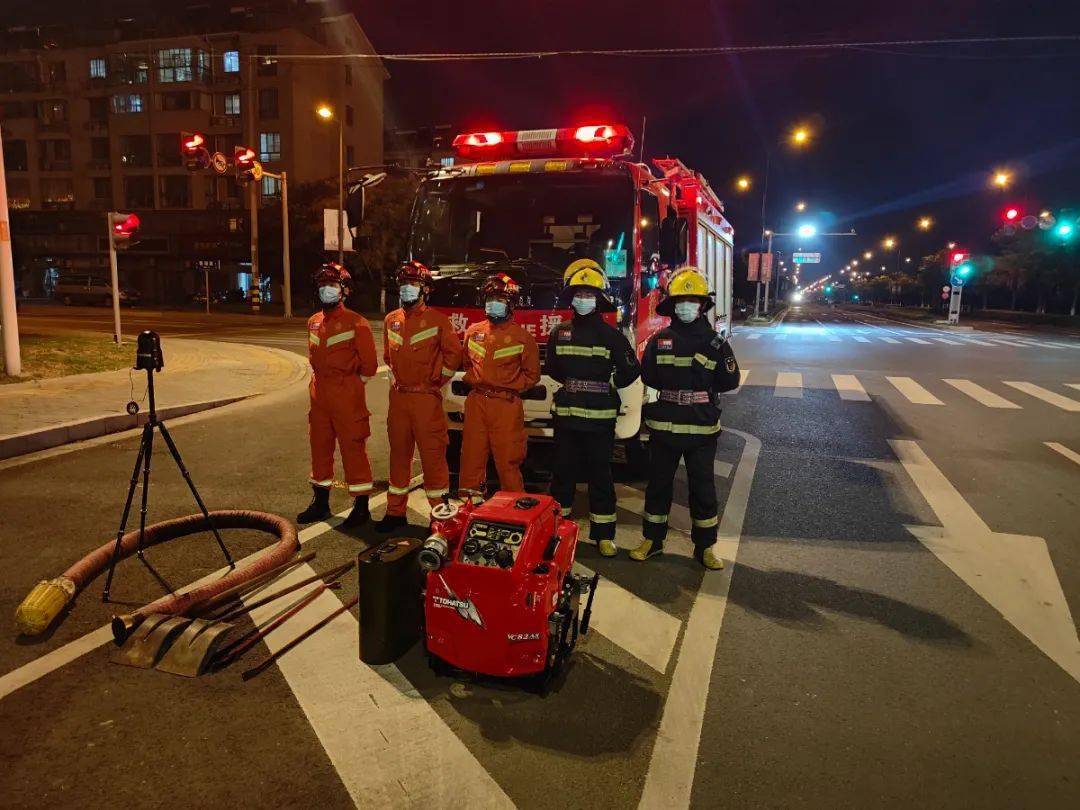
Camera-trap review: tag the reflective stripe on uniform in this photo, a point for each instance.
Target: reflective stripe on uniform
(476, 347)
(672, 427)
(330, 341)
(419, 337)
(585, 413)
(584, 351)
(602, 518)
(435, 493)
(706, 523)
(395, 337)
(447, 372)
(566, 510)
(313, 338)
(672, 360)
(509, 351)
(397, 490)
(705, 361)
(359, 489)
(326, 483)
(654, 518)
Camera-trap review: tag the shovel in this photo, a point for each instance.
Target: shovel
(150, 640)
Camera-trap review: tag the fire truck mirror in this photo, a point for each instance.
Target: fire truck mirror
(673, 241)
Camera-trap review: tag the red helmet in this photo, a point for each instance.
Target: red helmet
(416, 272)
(333, 273)
(503, 286)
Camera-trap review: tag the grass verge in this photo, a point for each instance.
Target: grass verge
(45, 356)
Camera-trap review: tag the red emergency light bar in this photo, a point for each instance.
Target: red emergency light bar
(594, 140)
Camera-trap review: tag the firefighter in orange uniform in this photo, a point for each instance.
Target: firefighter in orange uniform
(342, 352)
(501, 361)
(423, 352)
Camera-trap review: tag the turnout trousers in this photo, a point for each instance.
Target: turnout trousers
(338, 416)
(665, 451)
(495, 426)
(586, 453)
(416, 421)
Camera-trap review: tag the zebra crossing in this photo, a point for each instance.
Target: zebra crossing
(936, 393)
(896, 337)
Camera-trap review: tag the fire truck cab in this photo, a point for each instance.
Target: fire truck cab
(528, 203)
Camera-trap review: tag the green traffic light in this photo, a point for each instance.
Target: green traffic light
(964, 270)
(828, 288)
(1065, 230)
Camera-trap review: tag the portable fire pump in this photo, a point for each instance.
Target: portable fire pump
(501, 597)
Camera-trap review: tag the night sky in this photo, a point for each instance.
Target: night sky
(899, 132)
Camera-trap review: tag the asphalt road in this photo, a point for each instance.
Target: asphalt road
(896, 629)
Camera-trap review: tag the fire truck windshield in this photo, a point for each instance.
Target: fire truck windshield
(529, 225)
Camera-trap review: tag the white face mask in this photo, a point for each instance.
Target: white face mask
(583, 304)
(410, 293)
(495, 309)
(687, 311)
(329, 294)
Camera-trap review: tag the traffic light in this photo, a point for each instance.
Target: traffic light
(193, 150)
(1012, 214)
(125, 230)
(247, 168)
(1065, 231)
(960, 269)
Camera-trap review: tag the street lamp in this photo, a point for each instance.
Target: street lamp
(800, 206)
(889, 243)
(925, 223)
(326, 113)
(743, 183)
(806, 231)
(1002, 178)
(800, 136)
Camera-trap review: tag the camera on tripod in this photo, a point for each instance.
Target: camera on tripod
(148, 356)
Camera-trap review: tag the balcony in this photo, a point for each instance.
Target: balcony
(97, 126)
(225, 121)
(55, 165)
(99, 164)
(54, 126)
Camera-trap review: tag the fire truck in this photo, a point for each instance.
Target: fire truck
(527, 203)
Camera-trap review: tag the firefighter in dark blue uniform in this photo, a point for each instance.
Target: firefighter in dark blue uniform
(689, 365)
(592, 360)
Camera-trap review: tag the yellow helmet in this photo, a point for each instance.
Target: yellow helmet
(587, 273)
(687, 282)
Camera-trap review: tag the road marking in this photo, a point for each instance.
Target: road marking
(977, 341)
(982, 395)
(1074, 385)
(890, 340)
(1065, 451)
(788, 384)
(919, 340)
(1055, 399)
(834, 339)
(1012, 572)
(946, 340)
(781, 336)
(670, 778)
(913, 391)
(849, 387)
(753, 336)
(861, 339)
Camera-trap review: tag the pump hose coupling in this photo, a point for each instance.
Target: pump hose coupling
(433, 554)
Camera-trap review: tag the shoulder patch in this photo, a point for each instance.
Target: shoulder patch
(665, 344)
(565, 333)
(395, 325)
(717, 341)
(731, 365)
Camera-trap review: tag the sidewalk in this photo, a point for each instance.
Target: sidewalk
(198, 375)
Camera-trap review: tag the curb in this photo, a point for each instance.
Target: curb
(19, 444)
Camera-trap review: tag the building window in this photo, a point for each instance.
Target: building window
(99, 150)
(268, 102)
(175, 190)
(15, 159)
(52, 111)
(57, 72)
(55, 155)
(102, 188)
(230, 104)
(168, 149)
(57, 193)
(97, 68)
(174, 65)
(18, 189)
(267, 65)
(231, 61)
(226, 144)
(99, 108)
(139, 192)
(269, 146)
(446, 161)
(127, 103)
(175, 101)
(271, 187)
(348, 74)
(348, 115)
(349, 156)
(135, 150)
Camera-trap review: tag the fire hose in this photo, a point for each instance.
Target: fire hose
(48, 598)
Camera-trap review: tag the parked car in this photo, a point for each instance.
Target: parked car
(89, 289)
(739, 310)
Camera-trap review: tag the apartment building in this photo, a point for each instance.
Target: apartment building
(91, 122)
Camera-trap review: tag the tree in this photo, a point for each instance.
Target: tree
(384, 234)
(1043, 264)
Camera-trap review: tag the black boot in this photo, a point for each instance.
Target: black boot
(391, 523)
(318, 509)
(359, 514)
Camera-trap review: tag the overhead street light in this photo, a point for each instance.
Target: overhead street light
(327, 114)
(807, 230)
(800, 206)
(743, 183)
(1002, 178)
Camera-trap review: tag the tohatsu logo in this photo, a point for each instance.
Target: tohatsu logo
(464, 607)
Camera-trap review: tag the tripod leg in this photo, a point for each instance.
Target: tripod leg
(147, 453)
(195, 492)
(124, 517)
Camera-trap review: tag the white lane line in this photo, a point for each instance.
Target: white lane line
(849, 387)
(1052, 397)
(890, 340)
(919, 340)
(1013, 573)
(788, 384)
(978, 342)
(862, 339)
(753, 336)
(781, 336)
(1003, 342)
(946, 340)
(670, 778)
(1071, 455)
(913, 391)
(982, 395)
(1074, 385)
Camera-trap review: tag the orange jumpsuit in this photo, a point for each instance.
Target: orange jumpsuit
(501, 361)
(342, 352)
(423, 352)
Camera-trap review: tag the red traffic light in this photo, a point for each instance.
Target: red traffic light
(192, 140)
(125, 227)
(244, 156)
(193, 150)
(1012, 214)
(959, 256)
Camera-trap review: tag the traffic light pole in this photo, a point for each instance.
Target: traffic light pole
(286, 268)
(954, 303)
(254, 199)
(9, 319)
(114, 276)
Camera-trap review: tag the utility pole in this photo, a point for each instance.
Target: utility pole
(114, 276)
(286, 264)
(341, 192)
(254, 192)
(9, 319)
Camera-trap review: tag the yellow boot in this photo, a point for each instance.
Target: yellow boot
(608, 548)
(706, 557)
(647, 549)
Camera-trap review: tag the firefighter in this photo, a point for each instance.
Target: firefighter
(501, 361)
(688, 364)
(423, 352)
(341, 349)
(592, 360)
